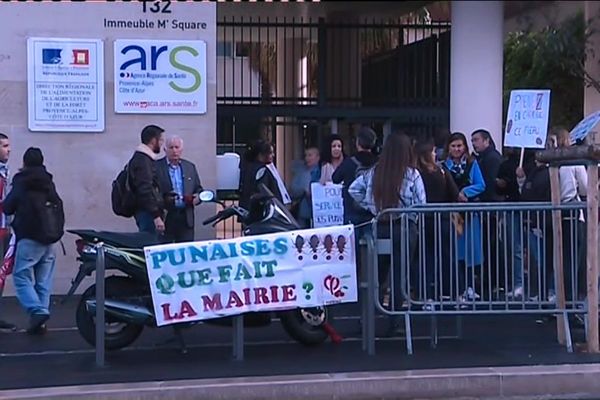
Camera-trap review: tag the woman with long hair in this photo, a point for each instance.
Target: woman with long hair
(434, 280)
(470, 183)
(391, 184)
(256, 168)
(332, 156)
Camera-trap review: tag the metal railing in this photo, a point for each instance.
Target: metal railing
(355, 63)
(474, 259)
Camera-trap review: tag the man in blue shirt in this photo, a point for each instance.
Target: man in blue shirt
(180, 186)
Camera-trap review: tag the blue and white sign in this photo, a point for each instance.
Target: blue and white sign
(160, 76)
(527, 119)
(583, 128)
(65, 85)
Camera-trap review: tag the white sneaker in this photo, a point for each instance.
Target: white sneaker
(516, 293)
(429, 306)
(471, 295)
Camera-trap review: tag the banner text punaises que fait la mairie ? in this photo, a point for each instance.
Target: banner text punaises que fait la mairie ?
(211, 279)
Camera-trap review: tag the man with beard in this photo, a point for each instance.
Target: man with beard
(144, 182)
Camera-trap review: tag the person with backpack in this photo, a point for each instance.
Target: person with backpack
(136, 191)
(353, 167)
(38, 224)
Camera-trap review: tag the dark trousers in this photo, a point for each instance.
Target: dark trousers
(437, 274)
(145, 222)
(399, 270)
(176, 227)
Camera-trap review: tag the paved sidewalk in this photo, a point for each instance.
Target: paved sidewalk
(62, 358)
(568, 381)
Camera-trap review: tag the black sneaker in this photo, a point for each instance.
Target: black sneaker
(41, 330)
(7, 327)
(35, 323)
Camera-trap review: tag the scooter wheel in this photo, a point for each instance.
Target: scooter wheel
(306, 325)
(117, 334)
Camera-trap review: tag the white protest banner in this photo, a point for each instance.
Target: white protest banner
(327, 204)
(160, 76)
(584, 127)
(527, 119)
(65, 85)
(202, 280)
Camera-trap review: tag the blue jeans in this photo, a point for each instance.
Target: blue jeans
(32, 275)
(145, 222)
(514, 232)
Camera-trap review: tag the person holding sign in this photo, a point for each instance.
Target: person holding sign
(573, 188)
(305, 173)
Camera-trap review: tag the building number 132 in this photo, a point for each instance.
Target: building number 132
(156, 6)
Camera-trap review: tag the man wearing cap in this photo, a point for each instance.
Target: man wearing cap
(34, 260)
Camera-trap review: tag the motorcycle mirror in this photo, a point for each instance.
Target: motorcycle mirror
(207, 196)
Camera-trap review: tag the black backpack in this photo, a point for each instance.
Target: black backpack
(48, 210)
(122, 197)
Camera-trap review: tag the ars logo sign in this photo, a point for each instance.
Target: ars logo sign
(165, 76)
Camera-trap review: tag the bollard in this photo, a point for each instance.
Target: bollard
(100, 328)
(238, 337)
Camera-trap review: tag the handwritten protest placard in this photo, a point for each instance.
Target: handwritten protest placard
(327, 205)
(585, 126)
(527, 119)
(211, 279)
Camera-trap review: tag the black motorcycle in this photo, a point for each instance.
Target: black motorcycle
(128, 304)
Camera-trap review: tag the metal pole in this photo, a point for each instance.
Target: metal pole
(559, 282)
(238, 337)
(100, 268)
(592, 259)
(371, 292)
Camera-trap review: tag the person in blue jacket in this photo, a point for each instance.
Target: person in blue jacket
(470, 182)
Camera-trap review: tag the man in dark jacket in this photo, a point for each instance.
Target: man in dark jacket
(180, 186)
(34, 258)
(346, 174)
(144, 181)
(489, 160)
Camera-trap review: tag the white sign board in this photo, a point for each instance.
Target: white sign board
(65, 85)
(327, 204)
(280, 271)
(583, 128)
(160, 76)
(527, 119)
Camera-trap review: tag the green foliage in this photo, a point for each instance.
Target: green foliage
(553, 58)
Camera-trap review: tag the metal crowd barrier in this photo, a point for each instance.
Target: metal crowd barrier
(238, 320)
(473, 259)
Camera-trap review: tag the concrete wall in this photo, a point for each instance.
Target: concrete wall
(84, 164)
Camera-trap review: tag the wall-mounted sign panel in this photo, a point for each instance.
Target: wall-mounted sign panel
(65, 84)
(160, 76)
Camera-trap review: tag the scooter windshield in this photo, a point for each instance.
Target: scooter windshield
(268, 214)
